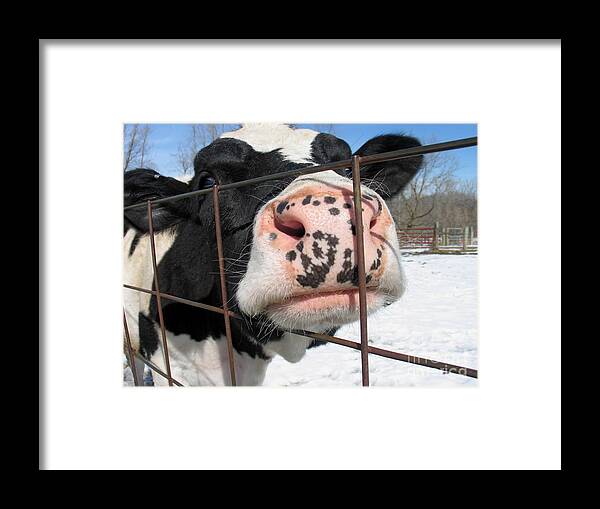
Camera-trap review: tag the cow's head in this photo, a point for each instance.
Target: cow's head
(290, 243)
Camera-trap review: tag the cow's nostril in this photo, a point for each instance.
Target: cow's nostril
(290, 227)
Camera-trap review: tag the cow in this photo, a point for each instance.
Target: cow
(289, 248)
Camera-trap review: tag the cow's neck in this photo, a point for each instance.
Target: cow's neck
(206, 362)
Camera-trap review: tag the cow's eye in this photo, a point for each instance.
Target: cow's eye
(206, 181)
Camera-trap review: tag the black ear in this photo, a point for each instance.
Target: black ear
(141, 185)
(389, 178)
(327, 148)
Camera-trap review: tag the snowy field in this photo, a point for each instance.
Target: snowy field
(435, 319)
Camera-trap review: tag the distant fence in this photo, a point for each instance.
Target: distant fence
(435, 238)
(416, 237)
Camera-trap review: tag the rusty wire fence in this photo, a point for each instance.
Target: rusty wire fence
(365, 349)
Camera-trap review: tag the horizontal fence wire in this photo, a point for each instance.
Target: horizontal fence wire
(339, 165)
(131, 355)
(381, 352)
(365, 349)
(156, 369)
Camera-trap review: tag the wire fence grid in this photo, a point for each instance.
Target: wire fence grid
(365, 349)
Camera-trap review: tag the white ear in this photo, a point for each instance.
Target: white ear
(291, 347)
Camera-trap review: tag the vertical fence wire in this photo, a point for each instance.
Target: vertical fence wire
(129, 350)
(360, 262)
(158, 299)
(224, 298)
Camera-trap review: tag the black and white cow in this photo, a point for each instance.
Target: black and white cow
(289, 245)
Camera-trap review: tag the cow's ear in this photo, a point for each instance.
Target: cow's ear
(389, 178)
(327, 148)
(141, 185)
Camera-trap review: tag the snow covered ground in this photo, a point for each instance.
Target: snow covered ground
(435, 319)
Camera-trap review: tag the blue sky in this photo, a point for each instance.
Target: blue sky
(166, 137)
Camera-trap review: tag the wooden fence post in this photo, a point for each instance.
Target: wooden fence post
(465, 233)
(434, 241)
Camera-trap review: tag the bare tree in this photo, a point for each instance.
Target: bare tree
(199, 136)
(145, 146)
(137, 146)
(130, 135)
(456, 205)
(414, 206)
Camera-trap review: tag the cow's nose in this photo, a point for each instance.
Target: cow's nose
(316, 231)
(297, 217)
